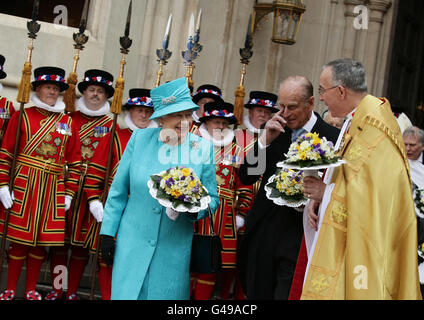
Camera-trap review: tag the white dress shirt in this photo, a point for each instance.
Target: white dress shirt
(311, 236)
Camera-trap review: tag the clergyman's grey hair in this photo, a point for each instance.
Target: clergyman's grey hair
(349, 73)
(415, 132)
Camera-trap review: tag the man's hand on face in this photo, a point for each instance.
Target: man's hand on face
(273, 128)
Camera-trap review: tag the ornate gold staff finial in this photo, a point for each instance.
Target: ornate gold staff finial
(80, 40)
(193, 48)
(246, 53)
(164, 54)
(126, 43)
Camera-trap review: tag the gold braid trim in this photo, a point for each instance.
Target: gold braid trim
(393, 137)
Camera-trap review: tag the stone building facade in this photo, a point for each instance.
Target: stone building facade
(327, 32)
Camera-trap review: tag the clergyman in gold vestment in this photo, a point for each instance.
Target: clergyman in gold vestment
(365, 244)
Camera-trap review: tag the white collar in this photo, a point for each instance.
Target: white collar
(229, 137)
(420, 158)
(249, 126)
(344, 129)
(132, 126)
(350, 115)
(311, 122)
(81, 106)
(1, 87)
(57, 108)
(195, 117)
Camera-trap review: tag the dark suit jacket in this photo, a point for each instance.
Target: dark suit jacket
(273, 233)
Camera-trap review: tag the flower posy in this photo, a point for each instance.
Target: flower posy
(179, 185)
(309, 150)
(419, 201)
(288, 184)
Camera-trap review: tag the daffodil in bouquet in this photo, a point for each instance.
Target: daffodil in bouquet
(310, 150)
(285, 187)
(179, 188)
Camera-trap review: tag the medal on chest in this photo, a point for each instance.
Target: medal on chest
(4, 114)
(100, 132)
(63, 129)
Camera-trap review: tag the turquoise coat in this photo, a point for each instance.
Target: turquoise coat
(152, 256)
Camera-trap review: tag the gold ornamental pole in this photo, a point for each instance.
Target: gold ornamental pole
(163, 54)
(246, 53)
(193, 48)
(80, 40)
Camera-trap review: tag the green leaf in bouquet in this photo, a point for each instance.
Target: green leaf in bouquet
(275, 193)
(155, 179)
(272, 185)
(294, 198)
(332, 160)
(163, 195)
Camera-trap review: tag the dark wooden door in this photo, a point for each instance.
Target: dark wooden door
(406, 77)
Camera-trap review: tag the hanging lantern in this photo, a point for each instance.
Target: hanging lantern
(287, 18)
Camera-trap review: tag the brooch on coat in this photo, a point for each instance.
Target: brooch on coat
(195, 145)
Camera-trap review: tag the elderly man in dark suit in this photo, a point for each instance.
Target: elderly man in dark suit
(274, 233)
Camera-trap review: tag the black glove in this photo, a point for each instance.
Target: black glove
(107, 248)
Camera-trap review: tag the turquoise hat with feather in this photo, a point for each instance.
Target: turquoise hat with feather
(172, 97)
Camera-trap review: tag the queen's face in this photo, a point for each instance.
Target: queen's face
(178, 122)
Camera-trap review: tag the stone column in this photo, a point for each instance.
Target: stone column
(154, 24)
(378, 9)
(349, 38)
(333, 32)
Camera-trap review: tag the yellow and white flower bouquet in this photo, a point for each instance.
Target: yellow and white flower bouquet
(310, 152)
(285, 188)
(180, 189)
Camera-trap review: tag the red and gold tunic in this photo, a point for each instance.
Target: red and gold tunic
(48, 142)
(246, 140)
(92, 131)
(228, 160)
(94, 183)
(6, 112)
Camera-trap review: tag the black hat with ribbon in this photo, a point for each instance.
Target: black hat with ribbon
(208, 91)
(263, 99)
(223, 110)
(139, 98)
(54, 75)
(2, 73)
(98, 78)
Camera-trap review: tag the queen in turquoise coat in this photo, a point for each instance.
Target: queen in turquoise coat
(152, 254)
